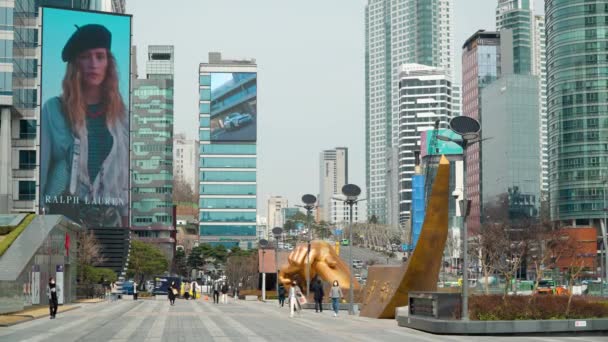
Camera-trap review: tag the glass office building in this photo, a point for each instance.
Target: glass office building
(577, 79)
(510, 185)
(516, 15)
(227, 152)
(480, 67)
(152, 152)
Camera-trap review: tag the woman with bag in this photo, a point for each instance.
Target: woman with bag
(172, 293)
(295, 293)
(335, 294)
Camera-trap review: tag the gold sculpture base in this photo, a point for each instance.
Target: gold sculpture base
(387, 287)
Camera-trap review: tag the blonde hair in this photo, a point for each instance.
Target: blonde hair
(73, 102)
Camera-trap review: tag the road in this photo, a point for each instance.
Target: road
(150, 320)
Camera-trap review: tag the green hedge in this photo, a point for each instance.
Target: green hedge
(540, 307)
(94, 275)
(12, 236)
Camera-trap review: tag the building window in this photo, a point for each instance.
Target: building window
(204, 135)
(6, 18)
(6, 83)
(204, 122)
(204, 80)
(27, 129)
(204, 108)
(27, 190)
(205, 94)
(27, 160)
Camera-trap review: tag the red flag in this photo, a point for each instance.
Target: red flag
(67, 244)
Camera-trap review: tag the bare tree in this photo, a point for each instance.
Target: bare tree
(89, 251)
(243, 269)
(183, 192)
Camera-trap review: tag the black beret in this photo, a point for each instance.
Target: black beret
(87, 37)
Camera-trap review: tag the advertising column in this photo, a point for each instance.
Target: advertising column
(59, 282)
(35, 286)
(84, 147)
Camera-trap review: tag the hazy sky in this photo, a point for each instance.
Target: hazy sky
(311, 84)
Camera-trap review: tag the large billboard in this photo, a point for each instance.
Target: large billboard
(233, 106)
(84, 128)
(430, 146)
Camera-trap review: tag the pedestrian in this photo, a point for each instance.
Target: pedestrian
(187, 291)
(235, 293)
(317, 288)
(216, 292)
(134, 291)
(114, 291)
(172, 293)
(335, 294)
(294, 293)
(224, 293)
(51, 292)
(194, 285)
(282, 295)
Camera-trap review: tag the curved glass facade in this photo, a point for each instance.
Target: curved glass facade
(577, 76)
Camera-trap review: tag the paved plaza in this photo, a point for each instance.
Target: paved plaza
(150, 320)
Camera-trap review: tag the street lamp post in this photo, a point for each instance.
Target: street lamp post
(351, 191)
(468, 128)
(263, 243)
(277, 232)
(309, 204)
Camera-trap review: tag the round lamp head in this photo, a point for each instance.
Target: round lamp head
(309, 199)
(263, 243)
(277, 231)
(351, 190)
(464, 125)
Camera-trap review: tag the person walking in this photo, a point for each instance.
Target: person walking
(335, 294)
(51, 292)
(187, 291)
(294, 293)
(282, 295)
(194, 285)
(216, 292)
(172, 293)
(225, 293)
(134, 291)
(317, 289)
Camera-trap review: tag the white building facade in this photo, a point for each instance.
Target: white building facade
(425, 101)
(539, 68)
(185, 161)
(340, 212)
(397, 32)
(276, 204)
(333, 175)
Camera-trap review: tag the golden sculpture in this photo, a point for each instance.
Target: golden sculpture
(421, 272)
(324, 262)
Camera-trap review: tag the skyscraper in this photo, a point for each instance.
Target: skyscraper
(333, 175)
(425, 98)
(185, 161)
(276, 204)
(539, 69)
(517, 15)
(577, 72)
(19, 97)
(152, 152)
(480, 67)
(396, 32)
(227, 165)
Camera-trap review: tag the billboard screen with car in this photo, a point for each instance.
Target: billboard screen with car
(84, 142)
(233, 106)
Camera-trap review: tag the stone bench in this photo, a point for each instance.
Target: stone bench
(251, 298)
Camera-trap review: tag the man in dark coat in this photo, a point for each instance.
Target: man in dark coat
(317, 288)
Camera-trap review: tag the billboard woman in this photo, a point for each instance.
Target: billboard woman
(85, 140)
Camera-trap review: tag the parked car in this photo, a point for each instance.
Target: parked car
(357, 264)
(236, 120)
